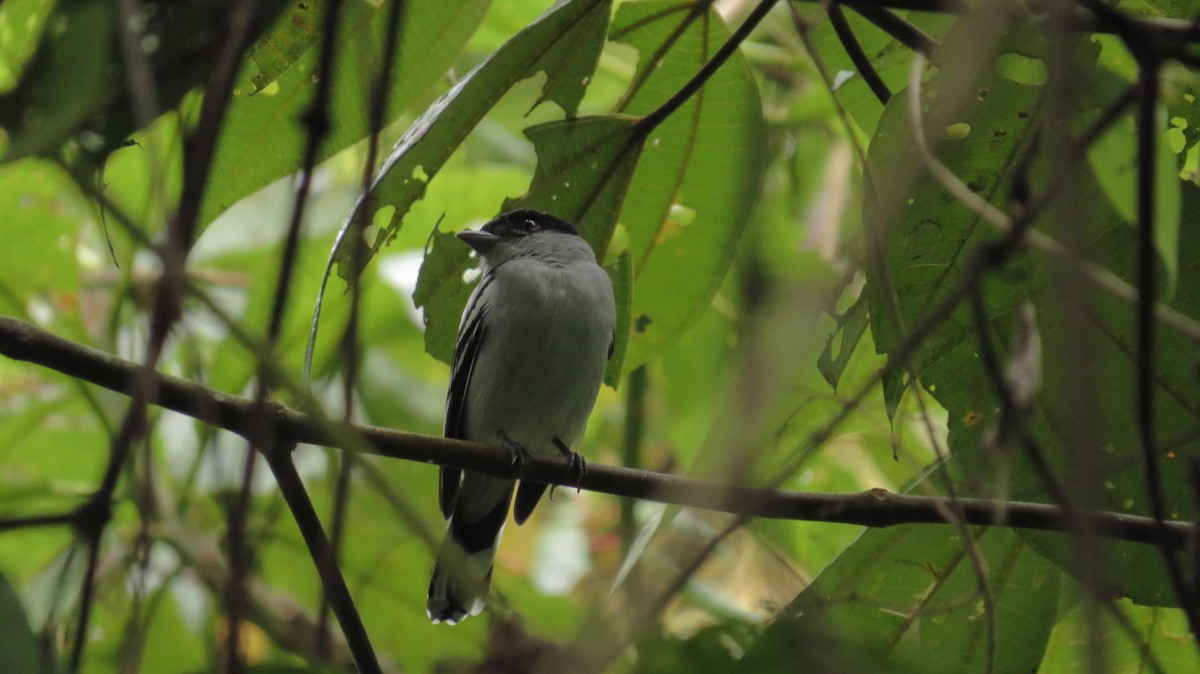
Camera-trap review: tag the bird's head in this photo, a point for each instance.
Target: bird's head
(524, 233)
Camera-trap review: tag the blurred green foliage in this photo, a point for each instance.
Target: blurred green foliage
(739, 231)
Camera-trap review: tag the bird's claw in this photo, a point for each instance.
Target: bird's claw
(575, 462)
(519, 453)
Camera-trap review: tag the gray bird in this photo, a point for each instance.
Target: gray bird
(531, 352)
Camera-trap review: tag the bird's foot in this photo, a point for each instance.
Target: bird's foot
(519, 453)
(575, 463)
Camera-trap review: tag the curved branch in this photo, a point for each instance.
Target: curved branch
(874, 508)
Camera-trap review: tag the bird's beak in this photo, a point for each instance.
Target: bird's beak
(481, 242)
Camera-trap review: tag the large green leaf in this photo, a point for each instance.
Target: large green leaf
(927, 243)
(572, 28)
(913, 592)
(700, 173)
(264, 138)
(564, 43)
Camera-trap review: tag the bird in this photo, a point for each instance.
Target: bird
(532, 348)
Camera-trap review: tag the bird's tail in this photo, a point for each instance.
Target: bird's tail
(463, 573)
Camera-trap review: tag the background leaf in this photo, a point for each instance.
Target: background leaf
(696, 184)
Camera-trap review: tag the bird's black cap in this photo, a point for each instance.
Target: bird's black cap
(526, 221)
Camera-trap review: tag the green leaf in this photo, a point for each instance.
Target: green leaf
(21, 25)
(712, 650)
(441, 285)
(64, 84)
(928, 239)
(583, 171)
(575, 28)
(263, 138)
(912, 592)
(298, 29)
(19, 648)
(700, 173)
(1155, 635)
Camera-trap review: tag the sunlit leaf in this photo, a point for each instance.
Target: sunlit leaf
(21, 25)
(45, 262)
(1153, 636)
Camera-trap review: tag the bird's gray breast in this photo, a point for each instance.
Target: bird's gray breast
(539, 367)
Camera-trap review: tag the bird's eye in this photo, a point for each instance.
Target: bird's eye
(533, 225)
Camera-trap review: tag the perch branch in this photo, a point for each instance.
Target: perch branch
(874, 508)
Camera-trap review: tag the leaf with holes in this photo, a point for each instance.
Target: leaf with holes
(1088, 384)
(564, 43)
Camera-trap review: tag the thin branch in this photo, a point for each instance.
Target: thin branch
(316, 119)
(845, 34)
(1145, 389)
(280, 615)
(351, 353)
(652, 120)
(1093, 17)
(35, 521)
(875, 508)
(1097, 275)
(340, 599)
(897, 26)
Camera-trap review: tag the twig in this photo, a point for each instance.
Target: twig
(1147, 132)
(652, 120)
(291, 486)
(280, 615)
(1097, 275)
(358, 227)
(845, 34)
(897, 26)
(316, 120)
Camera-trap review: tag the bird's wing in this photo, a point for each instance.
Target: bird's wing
(470, 336)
